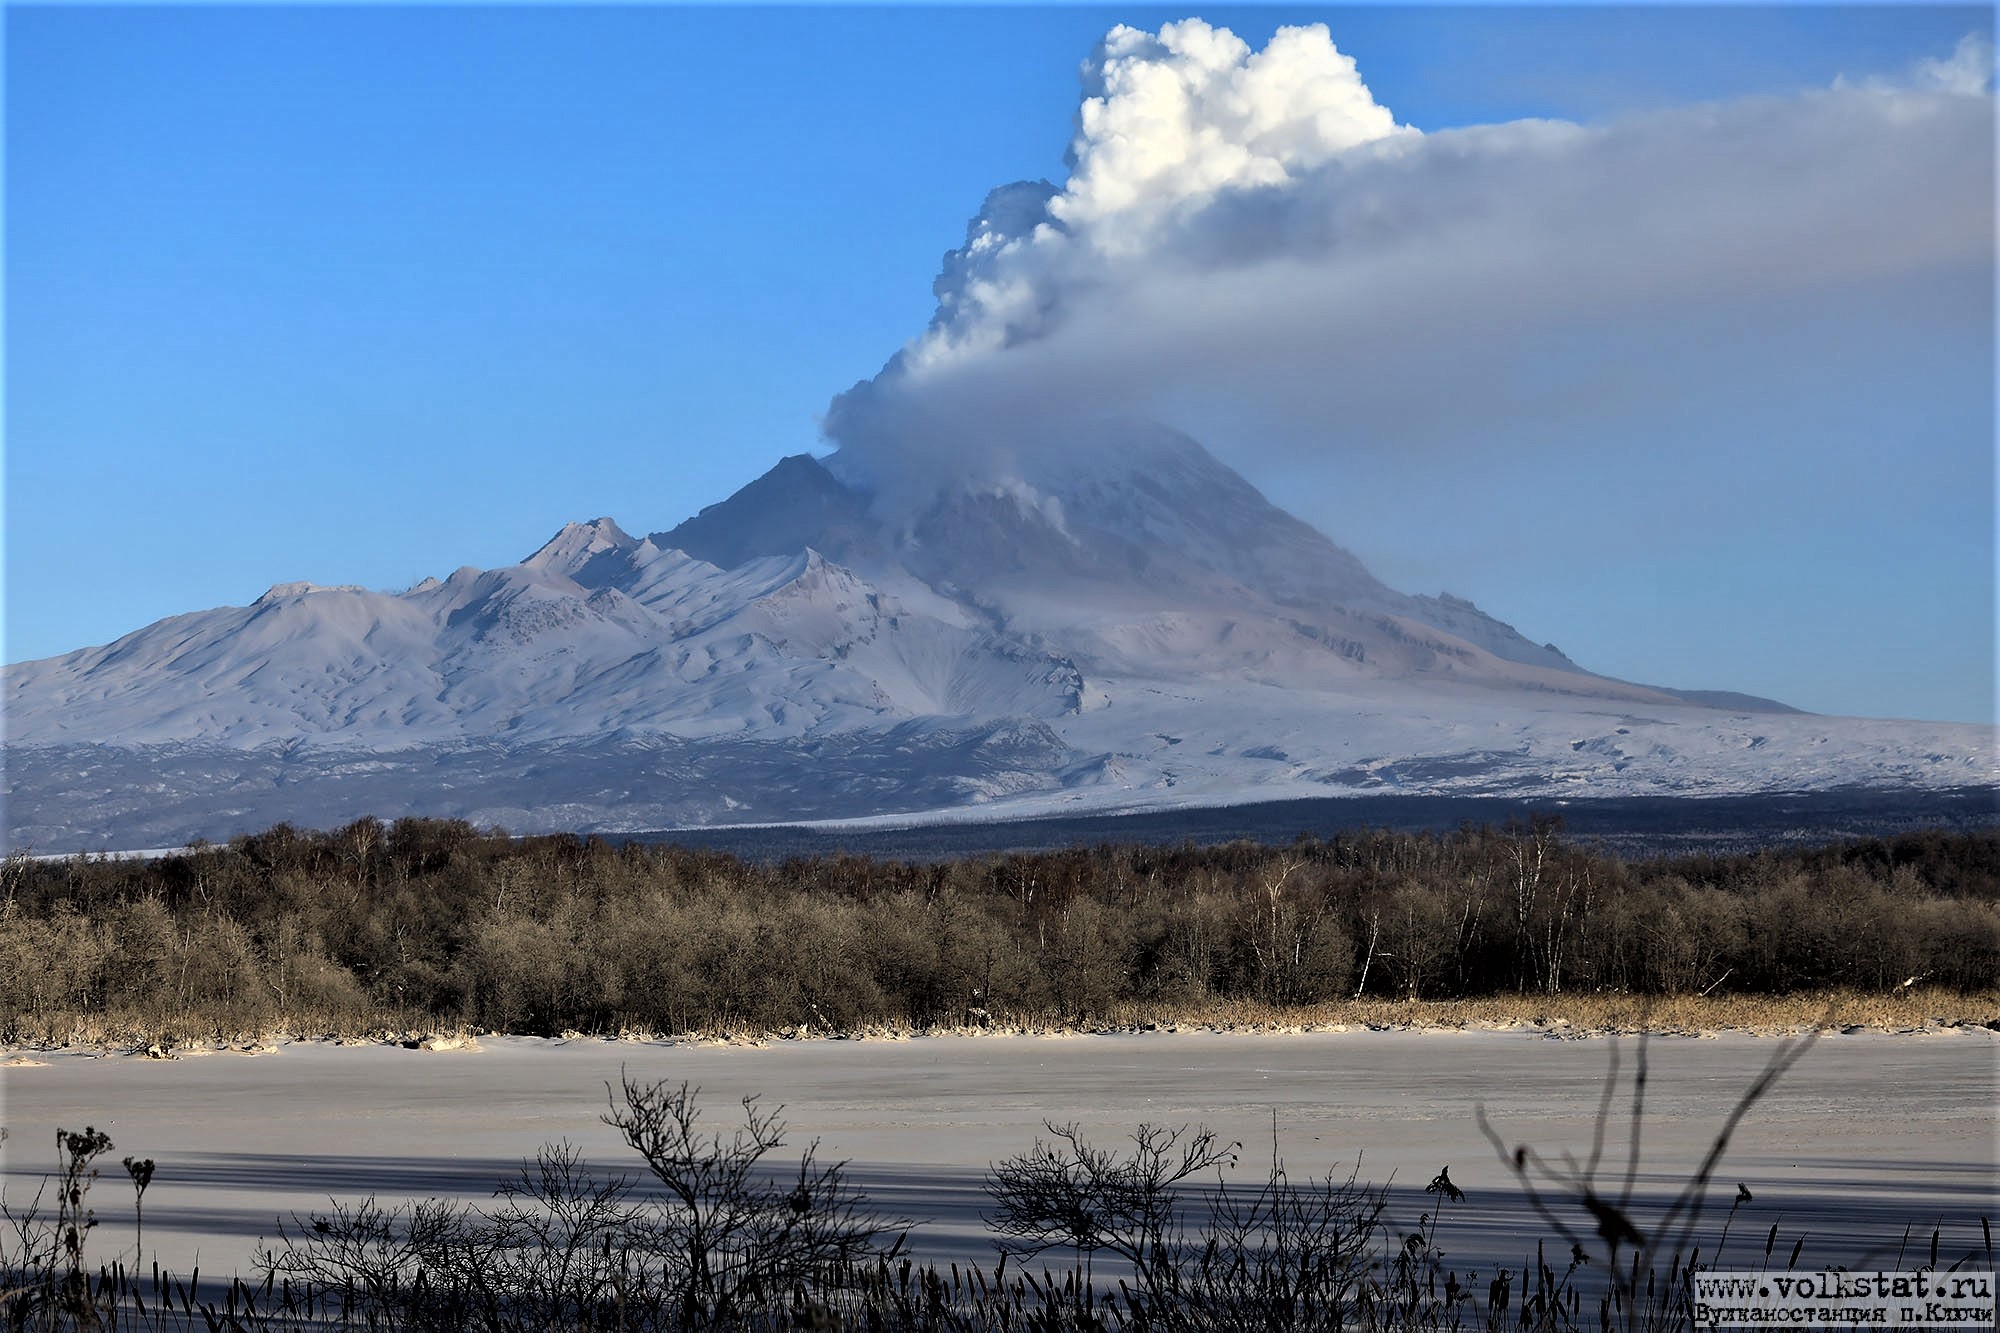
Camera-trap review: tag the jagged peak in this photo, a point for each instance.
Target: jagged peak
(580, 542)
(809, 568)
(280, 592)
(796, 501)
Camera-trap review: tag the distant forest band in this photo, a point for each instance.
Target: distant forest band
(430, 924)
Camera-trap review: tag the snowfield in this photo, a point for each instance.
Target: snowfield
(1868, 1134)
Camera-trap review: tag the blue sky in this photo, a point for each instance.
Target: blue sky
(359, 295)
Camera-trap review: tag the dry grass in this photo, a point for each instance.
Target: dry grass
(1902, 1011)
(193, 1030)
(1581, 1015)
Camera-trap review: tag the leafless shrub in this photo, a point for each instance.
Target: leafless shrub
(1647, 1259)
(1285, 1255)
(723, 1242)
(740, 1237)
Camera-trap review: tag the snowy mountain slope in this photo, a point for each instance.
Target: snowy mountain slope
(1131, 510)
(1122, 625)
(778, 646)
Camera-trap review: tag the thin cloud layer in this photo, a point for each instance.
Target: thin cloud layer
(1249, 234)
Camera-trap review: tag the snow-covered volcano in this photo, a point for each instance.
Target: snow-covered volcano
(1124, 624)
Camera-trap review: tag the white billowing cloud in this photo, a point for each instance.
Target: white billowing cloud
(1168, 122)
(1184, 115)
(1253, 226)
(1968, 70)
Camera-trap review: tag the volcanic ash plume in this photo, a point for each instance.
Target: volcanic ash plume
(1250, 231)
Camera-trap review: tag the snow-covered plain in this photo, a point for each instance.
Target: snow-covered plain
(1869, 1134)
(1120, 627)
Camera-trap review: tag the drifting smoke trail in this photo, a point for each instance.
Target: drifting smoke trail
(1252, 227)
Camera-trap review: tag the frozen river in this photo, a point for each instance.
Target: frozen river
(1870, 1135)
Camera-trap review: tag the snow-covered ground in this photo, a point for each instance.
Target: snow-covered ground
(1870, 1133)
(1152, 745)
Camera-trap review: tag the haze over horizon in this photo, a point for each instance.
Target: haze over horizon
(1681, 361)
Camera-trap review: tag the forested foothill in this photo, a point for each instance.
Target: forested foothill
(434, 925)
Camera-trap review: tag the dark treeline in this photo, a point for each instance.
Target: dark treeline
(432, 921)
